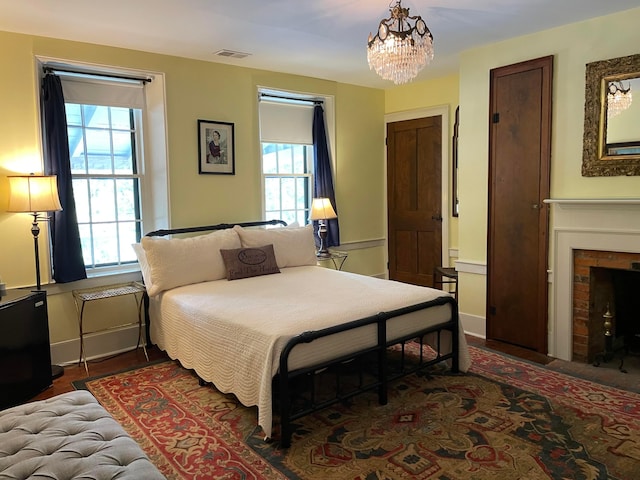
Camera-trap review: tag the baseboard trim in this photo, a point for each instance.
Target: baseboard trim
(97, 345)
(474, 325)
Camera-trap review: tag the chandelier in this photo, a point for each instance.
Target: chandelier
(618, 98)
(399, 51)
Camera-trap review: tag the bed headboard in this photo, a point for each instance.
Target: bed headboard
(219, 226)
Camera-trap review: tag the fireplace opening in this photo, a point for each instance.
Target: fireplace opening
(605, 280)
(618, 292)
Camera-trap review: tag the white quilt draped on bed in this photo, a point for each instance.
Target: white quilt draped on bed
(232, 332)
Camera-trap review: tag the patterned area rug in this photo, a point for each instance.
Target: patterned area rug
(505, 419)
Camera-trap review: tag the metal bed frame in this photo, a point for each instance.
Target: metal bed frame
(286, 380)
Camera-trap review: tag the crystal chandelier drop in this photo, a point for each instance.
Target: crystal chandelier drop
(399, 51)
(618, 99)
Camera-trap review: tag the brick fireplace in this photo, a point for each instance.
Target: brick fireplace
(586, 234)
(593, 292)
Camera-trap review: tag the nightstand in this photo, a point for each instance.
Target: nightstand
(336, 257)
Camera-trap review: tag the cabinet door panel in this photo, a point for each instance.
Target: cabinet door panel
(25, 355)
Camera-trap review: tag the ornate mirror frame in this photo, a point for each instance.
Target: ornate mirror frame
(595, 161)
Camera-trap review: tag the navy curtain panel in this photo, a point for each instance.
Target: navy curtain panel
(68, 264)
(323, 179)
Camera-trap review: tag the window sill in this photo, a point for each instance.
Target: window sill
(98, 280)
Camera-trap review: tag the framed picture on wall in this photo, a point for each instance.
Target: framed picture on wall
(216, 148)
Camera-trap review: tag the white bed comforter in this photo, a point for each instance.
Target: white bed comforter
(232, 332)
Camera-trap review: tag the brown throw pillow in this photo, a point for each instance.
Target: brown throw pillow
(249, 262)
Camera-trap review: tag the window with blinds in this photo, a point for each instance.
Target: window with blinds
(104, 125)
(287, 157)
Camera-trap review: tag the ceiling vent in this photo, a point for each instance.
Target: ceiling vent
(231, 54)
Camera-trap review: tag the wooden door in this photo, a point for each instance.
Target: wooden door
(519, 158)
(414, 198)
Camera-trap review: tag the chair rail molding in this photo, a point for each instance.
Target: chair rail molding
(471, 266)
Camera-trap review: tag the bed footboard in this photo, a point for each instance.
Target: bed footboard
(380, 375)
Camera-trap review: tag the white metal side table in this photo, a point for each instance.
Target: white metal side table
(82, 296)
(337, 257)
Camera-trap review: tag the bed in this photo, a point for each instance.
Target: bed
(254, 327)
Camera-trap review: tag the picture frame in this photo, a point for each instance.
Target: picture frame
(454, 176)
(216, 148)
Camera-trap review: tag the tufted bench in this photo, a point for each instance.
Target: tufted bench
(65, 437)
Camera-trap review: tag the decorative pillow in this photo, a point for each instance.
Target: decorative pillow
(176, 262)
(144, 264)
(293, 247)
(249, 262)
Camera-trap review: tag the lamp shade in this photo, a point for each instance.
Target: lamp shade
(33, 193)
(321, 209)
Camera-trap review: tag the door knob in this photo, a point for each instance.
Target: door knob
(436, 217)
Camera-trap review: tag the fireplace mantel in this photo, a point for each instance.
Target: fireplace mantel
(605, 224)
(593, 201)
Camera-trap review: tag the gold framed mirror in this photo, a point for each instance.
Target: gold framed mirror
(611, 143)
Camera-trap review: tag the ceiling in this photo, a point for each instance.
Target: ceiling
(317, 38)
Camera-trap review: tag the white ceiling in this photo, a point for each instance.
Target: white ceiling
(317, 38)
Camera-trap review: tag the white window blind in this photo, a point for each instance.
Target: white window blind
(88, 91)
(286, 123)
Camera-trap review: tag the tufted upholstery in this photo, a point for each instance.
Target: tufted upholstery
(69, 436)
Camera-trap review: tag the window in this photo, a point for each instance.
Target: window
(104, 116)
(286, 170)
(116, 126)
(104, 149)
(287, 157)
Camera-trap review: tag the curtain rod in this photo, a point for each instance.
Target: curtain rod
(283, 97)
(50, 69)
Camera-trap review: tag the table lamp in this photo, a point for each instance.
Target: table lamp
(321, 210)
(34, 194)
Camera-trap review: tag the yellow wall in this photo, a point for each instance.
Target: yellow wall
(194, 90)
(573, 46)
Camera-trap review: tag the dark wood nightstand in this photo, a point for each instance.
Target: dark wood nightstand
(442, 275)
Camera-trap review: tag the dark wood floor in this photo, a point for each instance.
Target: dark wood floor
(100, 367)
(513, 350)
(133, 358)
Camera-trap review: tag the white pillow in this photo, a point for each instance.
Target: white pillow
(182, 261)
(144, 264)
(293, 247)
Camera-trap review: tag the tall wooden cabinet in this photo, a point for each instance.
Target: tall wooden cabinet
(25, 355)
